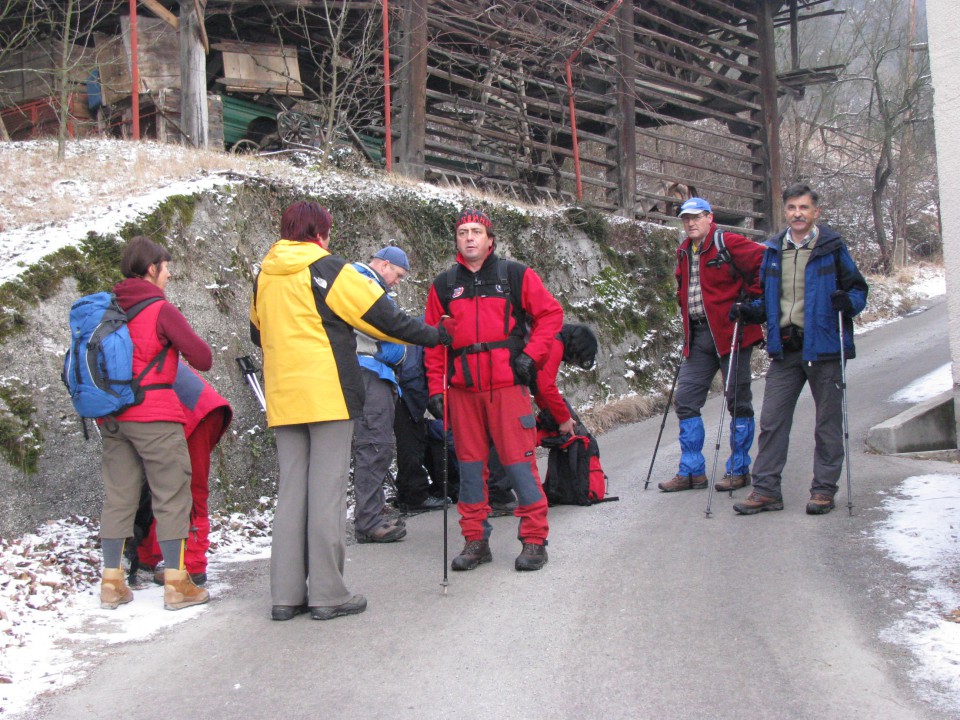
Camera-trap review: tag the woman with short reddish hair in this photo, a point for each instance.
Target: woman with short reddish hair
(306, 304)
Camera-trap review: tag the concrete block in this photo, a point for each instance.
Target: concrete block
(929, 425)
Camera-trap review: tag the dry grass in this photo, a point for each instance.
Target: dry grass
(620, 412)
(36, 188)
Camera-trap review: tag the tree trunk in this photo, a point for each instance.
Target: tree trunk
(881, 175)
(63, 86)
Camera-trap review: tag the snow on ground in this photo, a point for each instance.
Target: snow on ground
(926, 387)
(922, 532)
(51, 625)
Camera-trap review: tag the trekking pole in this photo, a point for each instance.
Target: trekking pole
(249, 371)
(663, 422)
(723, 410)
(446, 472)
(846, 427)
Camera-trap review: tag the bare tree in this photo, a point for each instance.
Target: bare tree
(858, 136)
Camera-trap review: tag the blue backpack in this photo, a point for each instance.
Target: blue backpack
(98, 367)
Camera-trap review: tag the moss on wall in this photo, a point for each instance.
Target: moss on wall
(21, 439)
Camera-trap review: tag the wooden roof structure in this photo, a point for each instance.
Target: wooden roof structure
(624, 105)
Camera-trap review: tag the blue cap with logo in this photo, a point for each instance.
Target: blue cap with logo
(394, 256)
(694, 206)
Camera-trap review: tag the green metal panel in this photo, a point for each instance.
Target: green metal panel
(237, 116)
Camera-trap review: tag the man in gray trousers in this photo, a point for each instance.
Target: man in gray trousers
(809, 280)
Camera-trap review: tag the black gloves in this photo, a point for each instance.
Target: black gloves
(840, 300)
(525, 369)
(445, 328)
(435, 406)
(747, 313)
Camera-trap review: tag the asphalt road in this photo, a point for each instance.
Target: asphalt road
(646, 609)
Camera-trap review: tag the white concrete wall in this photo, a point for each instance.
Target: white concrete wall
(944, 36)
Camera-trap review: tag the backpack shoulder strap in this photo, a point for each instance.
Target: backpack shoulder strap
(143, 304)
(510, 276)
(724, 255)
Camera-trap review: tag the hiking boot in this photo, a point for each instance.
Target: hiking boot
(158, 573)
(179, 591)
(286, 612)
(391, 514)
(684, 482)
(500, 509)
(820, 504)
(113, 589)
(756, 503)
(431, 503)
(732, 482)
(354, 606)
(384, 533)
(532, 557)
(473, 553)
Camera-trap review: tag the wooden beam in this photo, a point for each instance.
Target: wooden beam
(194, 118)
(768, 153)
(412, 90)
(161, 12)
(626, 118)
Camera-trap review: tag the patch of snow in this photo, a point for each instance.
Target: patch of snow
(51, 624)
(926, 387)
(923, 533)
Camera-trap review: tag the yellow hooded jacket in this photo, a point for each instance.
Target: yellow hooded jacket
(306, 303)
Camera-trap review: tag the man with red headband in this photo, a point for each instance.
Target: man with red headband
(504, 324)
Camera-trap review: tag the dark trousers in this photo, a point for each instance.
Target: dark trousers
(413, 483)
(698, 370)
(785, 380)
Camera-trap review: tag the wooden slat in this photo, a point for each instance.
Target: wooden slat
(699, 182)
(682, 31)
(689, 10)
(702, 70)
(744, 157)
(459, 131)
(660, 157)
(668, 120)
(728, 7)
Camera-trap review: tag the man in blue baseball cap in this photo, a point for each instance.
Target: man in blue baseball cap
(715, 269)
(373, 432)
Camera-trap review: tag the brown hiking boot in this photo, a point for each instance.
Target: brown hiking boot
(756, 503)
(732, 482)
(180, 592)
(113, 589)
(473, 553)
(532, 557)
(684, 482)
(386, 532)
(820, 504)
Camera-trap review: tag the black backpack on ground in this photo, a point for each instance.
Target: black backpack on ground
(574, 474)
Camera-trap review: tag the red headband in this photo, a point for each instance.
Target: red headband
(474, 216)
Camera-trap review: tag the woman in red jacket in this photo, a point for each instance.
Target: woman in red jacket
(150, 435)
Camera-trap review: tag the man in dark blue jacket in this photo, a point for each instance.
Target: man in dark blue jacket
(808, 279)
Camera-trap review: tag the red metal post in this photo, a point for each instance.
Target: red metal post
(388, 140)
(573, 110)
(134, 71)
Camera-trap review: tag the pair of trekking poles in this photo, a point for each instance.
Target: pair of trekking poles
(732, 369)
